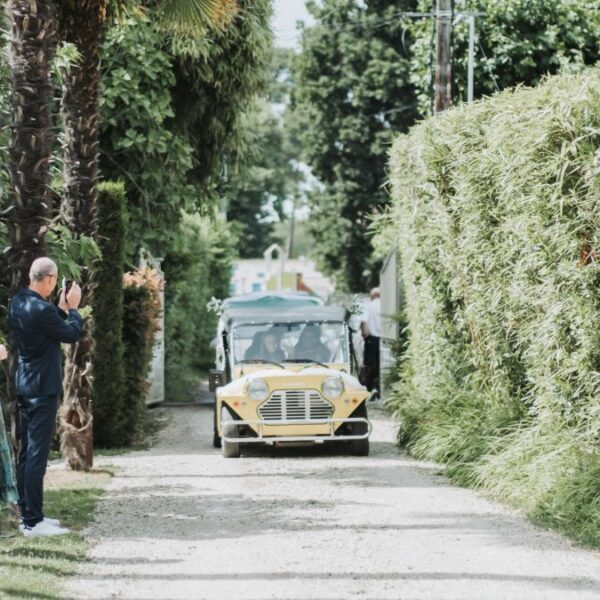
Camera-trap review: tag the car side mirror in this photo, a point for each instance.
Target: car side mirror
(216, 379)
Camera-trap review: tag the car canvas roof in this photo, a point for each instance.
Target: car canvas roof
(284, 314)
(271, 300)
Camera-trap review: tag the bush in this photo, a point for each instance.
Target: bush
(197, 267)
(141, 311)
(109, 374)
(496, 216)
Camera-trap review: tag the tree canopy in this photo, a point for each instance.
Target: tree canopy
(256, 192)
(353, 92)
(173, 109)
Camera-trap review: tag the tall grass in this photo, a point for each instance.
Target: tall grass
(496, 214)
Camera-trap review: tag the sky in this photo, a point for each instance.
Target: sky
(286, 14)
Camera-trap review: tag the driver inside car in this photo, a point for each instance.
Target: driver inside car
(265, 346)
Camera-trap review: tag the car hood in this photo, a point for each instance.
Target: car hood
(309, 378)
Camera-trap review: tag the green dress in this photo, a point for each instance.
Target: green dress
(8, 492)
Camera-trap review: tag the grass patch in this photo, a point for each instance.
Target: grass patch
(37, 568)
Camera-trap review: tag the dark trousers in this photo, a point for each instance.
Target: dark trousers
(38, 416)
(371, 363)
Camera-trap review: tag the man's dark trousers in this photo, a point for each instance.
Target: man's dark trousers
(370, 378)
(38, 416)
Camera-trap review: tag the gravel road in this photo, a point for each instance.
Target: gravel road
(179, 521)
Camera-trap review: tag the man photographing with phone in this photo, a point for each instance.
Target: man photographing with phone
(39, 328)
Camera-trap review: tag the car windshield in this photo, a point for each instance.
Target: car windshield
(321, 342)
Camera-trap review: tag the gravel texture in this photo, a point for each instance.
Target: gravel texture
(179, 521)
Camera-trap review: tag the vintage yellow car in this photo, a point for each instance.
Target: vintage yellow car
(284, 377)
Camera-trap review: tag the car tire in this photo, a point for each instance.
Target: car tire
(229, 449)
(216, 436)
(360, 447)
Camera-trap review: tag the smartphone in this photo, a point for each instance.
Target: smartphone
(67, 284)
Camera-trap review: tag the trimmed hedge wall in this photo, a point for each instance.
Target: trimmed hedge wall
(141, 312)
(109, 375)
(496, 214)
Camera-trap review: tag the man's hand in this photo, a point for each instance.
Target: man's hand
(72, 300)
(3, 352)
(364, 329)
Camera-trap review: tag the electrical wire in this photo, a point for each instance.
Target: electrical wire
(493, 75)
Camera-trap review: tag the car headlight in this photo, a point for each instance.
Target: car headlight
(258, 389)
(332, 388)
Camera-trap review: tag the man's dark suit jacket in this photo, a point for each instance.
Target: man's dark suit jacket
(39, 329)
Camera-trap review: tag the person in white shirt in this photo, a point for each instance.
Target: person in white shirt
(371, 331)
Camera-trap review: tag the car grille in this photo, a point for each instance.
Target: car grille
(295, 405)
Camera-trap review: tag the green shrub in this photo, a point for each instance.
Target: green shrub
(197, 267)
(109, 374)
(141, 310)
(496, 215)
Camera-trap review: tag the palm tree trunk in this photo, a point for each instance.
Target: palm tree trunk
(32, 46)
(82, 27)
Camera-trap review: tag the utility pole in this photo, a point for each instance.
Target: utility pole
(290, 249)
(471, 62)
(443, 71)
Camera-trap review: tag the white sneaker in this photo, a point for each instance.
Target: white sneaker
(54, 522)
(43, 529)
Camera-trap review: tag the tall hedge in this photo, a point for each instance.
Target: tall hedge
(141, 311)
(109, 375)
(496, 213)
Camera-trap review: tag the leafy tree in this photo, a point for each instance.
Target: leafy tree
(352, 94)
(138, 142)
(270, 174)
(173, 110)
(218, 77)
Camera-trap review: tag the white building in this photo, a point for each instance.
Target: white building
(260, 274)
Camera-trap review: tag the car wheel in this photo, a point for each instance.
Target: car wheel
(230, 429)
(216, 436)
(360, 447)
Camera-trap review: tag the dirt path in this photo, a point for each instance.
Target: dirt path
(179, 521)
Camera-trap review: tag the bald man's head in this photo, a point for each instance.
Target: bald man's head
(375, 293)
(41, 268)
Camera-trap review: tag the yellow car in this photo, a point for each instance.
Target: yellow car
(284, 377)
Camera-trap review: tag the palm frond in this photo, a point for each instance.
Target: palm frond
(196, 16)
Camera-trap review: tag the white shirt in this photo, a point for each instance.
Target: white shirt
(372, 317)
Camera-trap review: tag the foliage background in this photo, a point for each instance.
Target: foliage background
(495, 214)
(518, 42)
(200, 266)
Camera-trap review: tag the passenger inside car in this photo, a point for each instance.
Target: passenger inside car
(309, 345)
